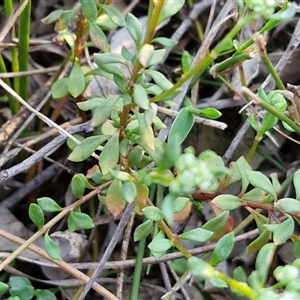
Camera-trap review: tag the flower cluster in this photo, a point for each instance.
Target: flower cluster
(192, 174)
(265, 8)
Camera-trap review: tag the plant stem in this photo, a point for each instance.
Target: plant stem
(13, 104)
(173, 237)
(138, 270)
(24, 34)
(200, 68)
(241, 287)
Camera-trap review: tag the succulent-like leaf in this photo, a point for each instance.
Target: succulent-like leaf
(143, 230)
(109, 156)
(51, 248)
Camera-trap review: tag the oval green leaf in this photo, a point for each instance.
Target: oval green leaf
(87, 147)
(222, 249)
(129, 191)
(199, 235)
(181, 126)
(82, 220)
(36, 215)
(78, 185)
(48, 204)
(59, 88)
(51, 248)
(153, 213)
(109, 156)
(140, 96)
(76, 82)
(143, 230)
(227, 202)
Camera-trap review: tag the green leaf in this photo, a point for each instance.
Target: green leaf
(296, 181)
(210, 113)
(109, 156)
(91, 103)
(115, 202)
(186, 61)
(289, 205)
(263, 262)
(121, 175)
(143, 230)
(281, 232)
(145, 54)
(87, 147)
(227, 202)
(3, 287)
(44, 295)
(103, 110)
(51, 248)
(181, 126)
(180, 203)
(255, 194)
(115, 16)
(159, 79)
(153, 213)
(135, 156)
(78, 185)
(140, 96)
(157, 57)
(109, 58)
(134, 28)
(199, 235)
(17, 281)
(89, 10)
(160, 245)
(129, 191)
(71, 224)
(48, 204)
(24, 292)
(76, 83)
(36, 215)
(71, 143)
(98, 37)
(217, 224)
(200, 268)
(166, 42)
(53, 16)
(243, 166)
(171, 153)
(146, 132)
(259, 180)
(259, 242)
(59, 88)
(222, 249)
(82, 220)
(170, 8)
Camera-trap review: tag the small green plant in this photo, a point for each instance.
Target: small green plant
(20, 288)
(131, 160)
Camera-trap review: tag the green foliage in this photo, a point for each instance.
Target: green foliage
(130, 158)
(21, 288)
(51, 248)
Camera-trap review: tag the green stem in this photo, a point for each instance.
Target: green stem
(138, 270)
(24, 35)
(240, 287)
(200, 68)
(11, 101)
(272, 71)
(13, 104)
